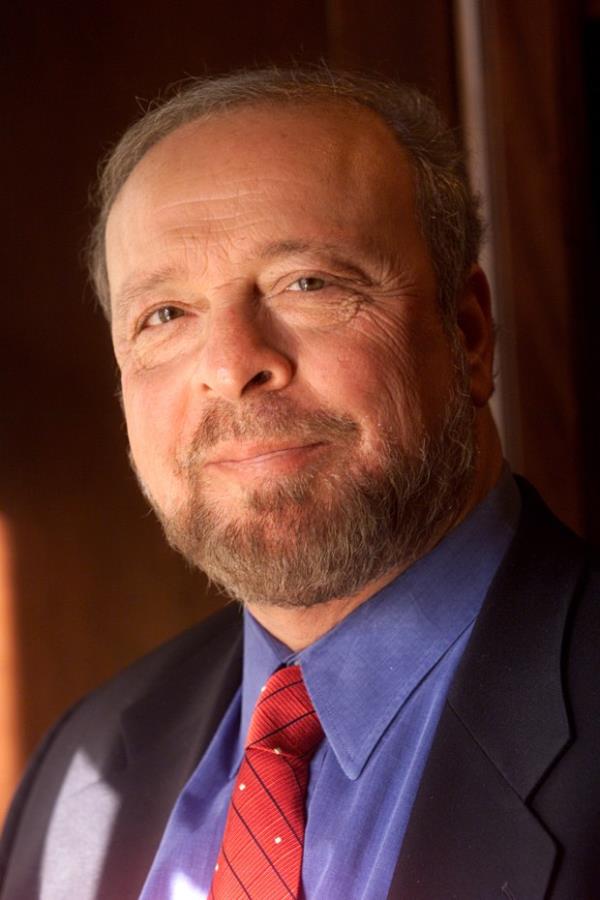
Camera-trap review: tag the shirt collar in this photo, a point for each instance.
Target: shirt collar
(361, 673)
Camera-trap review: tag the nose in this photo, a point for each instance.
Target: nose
(240, 356)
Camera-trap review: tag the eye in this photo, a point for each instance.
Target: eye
(308, 283)
(162, 316)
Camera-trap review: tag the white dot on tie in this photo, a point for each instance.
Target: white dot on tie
(277, 750)
(263, 688)
(277, 840)
(242, 787)
(217, 867)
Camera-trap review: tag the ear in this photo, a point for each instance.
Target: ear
(476, 331)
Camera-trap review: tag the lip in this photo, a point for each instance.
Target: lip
(261, 453)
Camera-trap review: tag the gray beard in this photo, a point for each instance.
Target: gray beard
(308, 538)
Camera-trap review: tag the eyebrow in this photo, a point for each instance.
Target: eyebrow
(137, 285)
(277, 249)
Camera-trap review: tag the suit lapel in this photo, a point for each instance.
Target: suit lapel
(164, 736)
(471, 833)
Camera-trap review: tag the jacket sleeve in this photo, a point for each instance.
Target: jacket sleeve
(19, 802)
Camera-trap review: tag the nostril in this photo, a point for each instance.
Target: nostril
(261, 377)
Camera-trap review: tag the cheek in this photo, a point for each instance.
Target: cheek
(155, 415)
(391, 379)
(366, 380)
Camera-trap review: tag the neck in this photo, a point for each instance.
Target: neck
(297, 628)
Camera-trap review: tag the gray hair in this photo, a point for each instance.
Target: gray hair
(447, 209)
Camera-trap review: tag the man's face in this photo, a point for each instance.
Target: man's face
(285, 370)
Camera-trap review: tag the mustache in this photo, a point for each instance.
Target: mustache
(263, 419)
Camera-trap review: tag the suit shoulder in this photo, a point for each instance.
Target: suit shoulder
(188, 667)
(543, 539)
(189, 658)
(197, 646)
(173, 697)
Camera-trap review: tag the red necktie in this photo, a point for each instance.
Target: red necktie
(261, 853)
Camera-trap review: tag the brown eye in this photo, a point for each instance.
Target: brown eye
(308, 283)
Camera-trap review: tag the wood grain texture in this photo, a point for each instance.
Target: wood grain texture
(529, 92)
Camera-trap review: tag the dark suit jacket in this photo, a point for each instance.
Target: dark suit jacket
(509, 803)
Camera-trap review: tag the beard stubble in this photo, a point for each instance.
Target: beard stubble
(324, 533)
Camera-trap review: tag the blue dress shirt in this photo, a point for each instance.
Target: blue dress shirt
(378, 681)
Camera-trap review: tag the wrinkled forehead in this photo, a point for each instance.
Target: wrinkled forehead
(214, 191)
(339, 150)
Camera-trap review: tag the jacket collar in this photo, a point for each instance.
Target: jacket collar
(171, 708)
(508, 691)
(504, 725)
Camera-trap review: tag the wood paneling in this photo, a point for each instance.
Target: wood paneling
(10, 749)
(411, 40)
(532, 55)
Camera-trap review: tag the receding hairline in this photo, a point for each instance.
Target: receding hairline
(322, 103)
(448, 210)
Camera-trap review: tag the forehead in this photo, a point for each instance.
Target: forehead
(328, 131)
(327, 170)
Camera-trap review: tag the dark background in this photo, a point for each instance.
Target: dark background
(92, 583)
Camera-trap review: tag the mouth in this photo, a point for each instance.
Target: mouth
(271, 457)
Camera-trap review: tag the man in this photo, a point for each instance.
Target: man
(289, 264)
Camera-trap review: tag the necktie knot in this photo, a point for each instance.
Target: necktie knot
(284, 719)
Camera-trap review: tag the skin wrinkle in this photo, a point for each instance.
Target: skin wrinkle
(228, 233)
(356, 300)
(347, 307)
(275, 252)
(400, 112)
(327, 531)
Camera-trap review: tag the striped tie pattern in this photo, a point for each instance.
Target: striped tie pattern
(261, 853)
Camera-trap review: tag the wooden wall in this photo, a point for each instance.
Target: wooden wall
(91, 584)
(535, 87)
